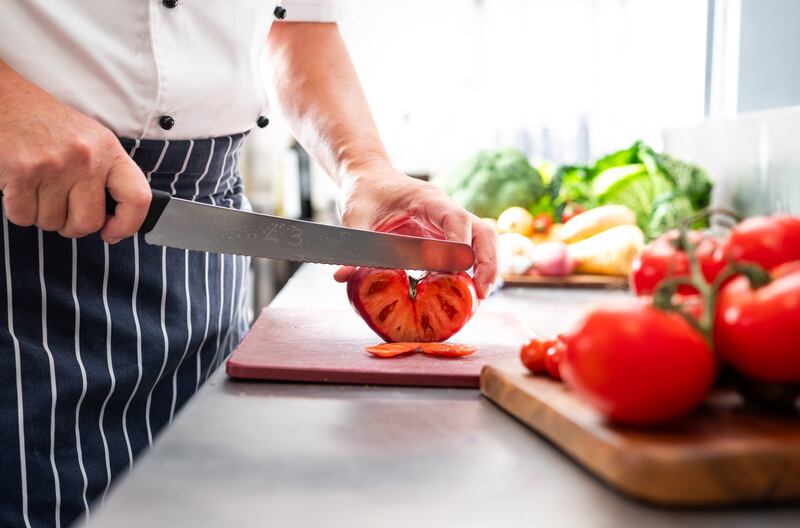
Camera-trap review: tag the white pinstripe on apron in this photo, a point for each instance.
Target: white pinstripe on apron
(101, 345)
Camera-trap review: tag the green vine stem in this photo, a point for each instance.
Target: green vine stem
(663, 297)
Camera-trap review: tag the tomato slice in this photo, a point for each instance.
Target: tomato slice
(387, 350)
(447, 349)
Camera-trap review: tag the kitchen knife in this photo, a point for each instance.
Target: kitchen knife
(178, 223)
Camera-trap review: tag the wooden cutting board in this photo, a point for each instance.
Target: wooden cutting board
(584, 280)
(328, 346)
(724, 453)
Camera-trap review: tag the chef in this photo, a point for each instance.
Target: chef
(104, 337)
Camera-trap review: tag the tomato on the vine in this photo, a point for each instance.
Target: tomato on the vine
(397, 308)
(663, 258)
(765, 240)
(637, 364)
(757, 330)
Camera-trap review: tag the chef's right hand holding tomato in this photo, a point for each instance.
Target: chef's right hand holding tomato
(379, 198)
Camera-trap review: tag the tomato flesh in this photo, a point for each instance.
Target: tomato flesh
(431, 309)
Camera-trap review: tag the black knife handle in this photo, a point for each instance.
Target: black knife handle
(157, 205)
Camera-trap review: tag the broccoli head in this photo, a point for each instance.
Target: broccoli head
(492, 181)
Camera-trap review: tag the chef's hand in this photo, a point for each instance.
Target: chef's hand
(378, 198)
(55, 164)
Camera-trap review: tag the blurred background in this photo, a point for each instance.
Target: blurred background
(713, 82)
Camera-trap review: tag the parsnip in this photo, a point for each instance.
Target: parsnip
(610, 252)
(593, 221)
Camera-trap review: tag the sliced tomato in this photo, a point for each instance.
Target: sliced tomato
(387, 350)
(401, 309)
(447, 349)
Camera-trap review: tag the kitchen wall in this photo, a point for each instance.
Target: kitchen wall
(754, 159)
(769, 43)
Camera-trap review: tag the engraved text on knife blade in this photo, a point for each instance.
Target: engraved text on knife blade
(275, 232)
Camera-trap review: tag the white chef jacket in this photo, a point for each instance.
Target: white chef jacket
(130, 64)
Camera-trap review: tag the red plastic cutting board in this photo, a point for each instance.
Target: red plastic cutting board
(328, 346)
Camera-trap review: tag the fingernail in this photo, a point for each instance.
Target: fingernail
(112, 241)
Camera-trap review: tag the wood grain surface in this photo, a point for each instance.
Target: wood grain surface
(311, 345)
(724, 453)
(567, 281)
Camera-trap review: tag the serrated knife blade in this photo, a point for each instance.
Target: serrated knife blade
(178, 223)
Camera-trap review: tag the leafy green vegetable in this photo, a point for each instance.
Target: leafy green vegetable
(668, 212)
(492, 181)
(660, 189)
(691, 180)
(632, 186)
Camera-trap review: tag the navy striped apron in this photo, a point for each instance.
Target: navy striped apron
(101, 345)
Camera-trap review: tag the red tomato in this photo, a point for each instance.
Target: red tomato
(431, 309)
(542, 223)
(767, 241)
(638, 365)
(660, 259)
(533, 354)
(570, 211)
(758, 330)
(553, 359)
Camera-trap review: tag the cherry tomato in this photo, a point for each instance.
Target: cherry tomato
(758, 330)
(533, 354)
(661, 259)
(542, 223)
(570, 211)
(636, 364)
(767, 241)
(553, 359)
(431, 309)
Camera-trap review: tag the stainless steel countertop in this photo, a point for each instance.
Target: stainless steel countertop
(285, 454)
